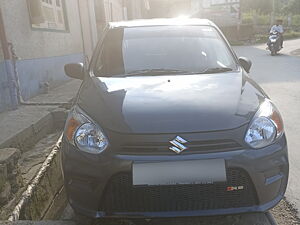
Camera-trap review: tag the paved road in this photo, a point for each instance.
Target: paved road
(280, 78)
(245, 219)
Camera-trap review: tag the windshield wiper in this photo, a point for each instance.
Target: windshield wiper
(216, 70)
(153, 72)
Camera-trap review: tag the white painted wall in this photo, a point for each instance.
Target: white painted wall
(114, 10)
(1, 54)
(88, 26)
(209, 3)
(31, 43)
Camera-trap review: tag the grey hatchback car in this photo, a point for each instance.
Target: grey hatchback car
(167, 123)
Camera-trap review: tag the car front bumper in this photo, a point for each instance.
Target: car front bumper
(87, 176)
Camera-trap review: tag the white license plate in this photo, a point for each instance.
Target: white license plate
(179, 172)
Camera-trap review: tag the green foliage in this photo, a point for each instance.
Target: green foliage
(291, 35)
(254, 17)
(261, 38)
(261, 6)
(293, 7)
(296, 20)
(282, 7)
(263, 19)
(247, 18)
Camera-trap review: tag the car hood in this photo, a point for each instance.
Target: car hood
(171, 104)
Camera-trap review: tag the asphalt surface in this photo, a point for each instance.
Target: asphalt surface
(244, 219)
(280, 78)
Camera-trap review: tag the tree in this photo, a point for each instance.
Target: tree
(293, 7)
(266, 6)
(261, 6)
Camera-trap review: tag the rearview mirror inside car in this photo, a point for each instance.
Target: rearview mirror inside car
(75, 70)
(245, 63)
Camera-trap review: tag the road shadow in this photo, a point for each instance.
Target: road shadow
(244, 219)
(239, 219)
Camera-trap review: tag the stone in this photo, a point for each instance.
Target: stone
(37, 223)
(10, 157)
(16, 180)
(9, 173)
(5, 194)
(3, 175)
(8, 154)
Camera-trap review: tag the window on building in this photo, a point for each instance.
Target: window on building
(47, 14)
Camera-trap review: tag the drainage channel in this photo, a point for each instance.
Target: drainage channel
(44, 197)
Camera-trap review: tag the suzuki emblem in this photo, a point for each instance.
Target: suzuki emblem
(178, 145)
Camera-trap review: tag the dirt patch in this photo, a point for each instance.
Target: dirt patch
(29, 164)
(296, 52)
(285, 214)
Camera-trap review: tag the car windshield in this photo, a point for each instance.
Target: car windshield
(162, 50)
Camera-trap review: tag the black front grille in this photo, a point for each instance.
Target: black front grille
(121, 196)
(206, 146)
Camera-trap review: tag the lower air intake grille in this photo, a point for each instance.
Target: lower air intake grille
(121, 196)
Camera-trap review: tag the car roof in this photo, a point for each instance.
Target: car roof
(161, 22)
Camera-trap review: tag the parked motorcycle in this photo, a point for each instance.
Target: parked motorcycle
(274, 43)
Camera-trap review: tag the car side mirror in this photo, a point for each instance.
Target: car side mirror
(75, 70)
(245, 63)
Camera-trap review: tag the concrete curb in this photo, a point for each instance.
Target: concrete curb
(39, 196)
(28, 136)
(37, 223)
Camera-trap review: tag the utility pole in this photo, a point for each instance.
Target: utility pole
(273, 13)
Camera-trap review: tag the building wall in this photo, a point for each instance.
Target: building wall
(5, 101)
(1, 53)
(114, 10)
(140, 8)
(169, 8)
(88, 25)
(46, 43)
(42, 53)
(118, 10)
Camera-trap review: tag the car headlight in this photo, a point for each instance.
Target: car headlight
(266, 126)
(83, 133)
